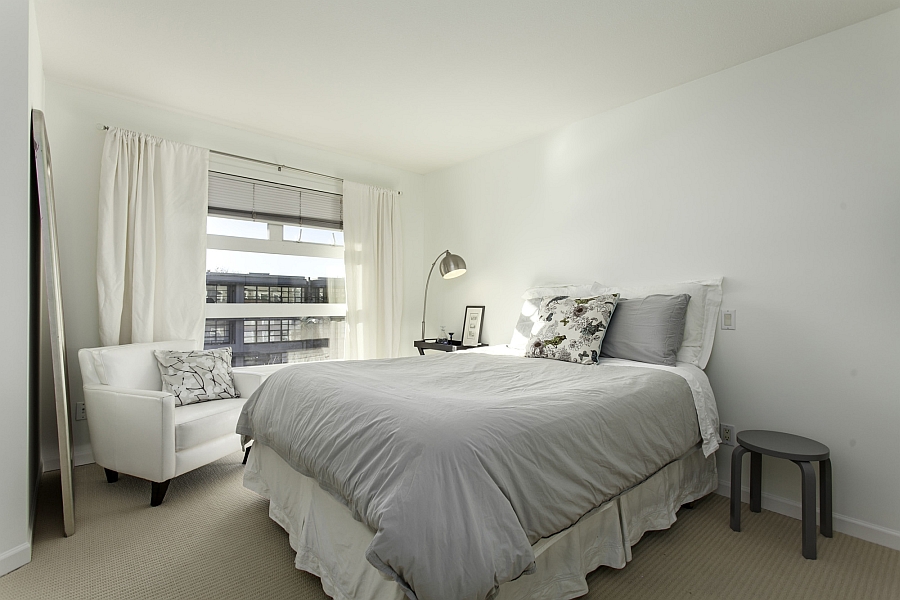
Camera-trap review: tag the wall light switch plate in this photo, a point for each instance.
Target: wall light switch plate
(80, 414)
(729, 319)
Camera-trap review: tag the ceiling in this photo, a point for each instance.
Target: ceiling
(416, 84)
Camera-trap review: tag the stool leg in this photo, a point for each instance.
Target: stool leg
(756, 482)
(809, 508)
(825, 497)
(736, 464)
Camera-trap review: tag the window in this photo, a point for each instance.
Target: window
(218, 332)
(275, 271)
(217, 293)
(304, 292)
(237, 228)
(313, 236)
(267, 330)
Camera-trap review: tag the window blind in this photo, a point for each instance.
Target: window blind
(236, 196)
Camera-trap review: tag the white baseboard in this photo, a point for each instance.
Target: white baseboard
(20, 556)
(14, 558)
(848, 525)
(81, 455)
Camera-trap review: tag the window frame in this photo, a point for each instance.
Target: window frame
(281, 312)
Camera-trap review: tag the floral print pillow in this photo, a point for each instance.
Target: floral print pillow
(197, 376)
(571, 329)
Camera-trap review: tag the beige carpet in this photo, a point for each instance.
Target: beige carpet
(213, 539)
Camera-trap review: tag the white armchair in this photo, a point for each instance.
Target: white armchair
(136, 428)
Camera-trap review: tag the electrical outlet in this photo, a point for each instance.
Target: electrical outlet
(80, 413)
(728, 434)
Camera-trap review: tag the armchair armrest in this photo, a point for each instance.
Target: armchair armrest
(132, 431)
(247, 379)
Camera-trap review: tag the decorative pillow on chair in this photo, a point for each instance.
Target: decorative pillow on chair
(571, 329)
(198, 375)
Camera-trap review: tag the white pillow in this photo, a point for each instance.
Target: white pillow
(701, 317)
(528, 318)
(579, 290)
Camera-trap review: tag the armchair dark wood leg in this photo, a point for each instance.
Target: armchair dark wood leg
(158, 492)
(246, 455)
(111, 476)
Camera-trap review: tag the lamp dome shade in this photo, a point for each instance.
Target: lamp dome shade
(452, 266)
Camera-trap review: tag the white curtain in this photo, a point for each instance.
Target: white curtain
(373, 260)
(151, 251)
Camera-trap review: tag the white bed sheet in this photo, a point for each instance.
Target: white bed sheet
(332, 545)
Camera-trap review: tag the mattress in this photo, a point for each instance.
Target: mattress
(331, 544)
(461, 463)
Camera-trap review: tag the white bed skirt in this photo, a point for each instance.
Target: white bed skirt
(332, 545)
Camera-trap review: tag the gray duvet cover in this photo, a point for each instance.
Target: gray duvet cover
(460, 462)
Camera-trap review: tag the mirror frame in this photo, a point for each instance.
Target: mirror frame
(52, 285)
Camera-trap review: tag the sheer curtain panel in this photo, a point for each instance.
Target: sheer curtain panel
(373, 261)
(151, 250)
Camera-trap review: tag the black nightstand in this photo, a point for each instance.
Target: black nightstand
(453, 346)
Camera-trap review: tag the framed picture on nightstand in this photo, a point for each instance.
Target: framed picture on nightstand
(472, 325)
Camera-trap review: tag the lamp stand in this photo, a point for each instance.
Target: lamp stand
(427, 281)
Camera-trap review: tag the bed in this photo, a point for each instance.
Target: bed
(478, 474)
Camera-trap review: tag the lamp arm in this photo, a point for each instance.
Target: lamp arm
(427, 281)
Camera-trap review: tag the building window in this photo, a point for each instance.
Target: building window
(218, 332)
(302, 290)
(217, 294)
(267, 330)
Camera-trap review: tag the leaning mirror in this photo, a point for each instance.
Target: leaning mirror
(50, 259)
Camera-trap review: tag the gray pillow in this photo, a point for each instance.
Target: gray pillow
(647, 329)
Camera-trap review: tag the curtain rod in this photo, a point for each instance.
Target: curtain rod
(261, 162)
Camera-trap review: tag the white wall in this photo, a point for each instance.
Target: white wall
(40, 369)
(783, 175)
(72, 115)
(19, 76)
(35, 61)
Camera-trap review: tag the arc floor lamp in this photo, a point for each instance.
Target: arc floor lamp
(452, 265)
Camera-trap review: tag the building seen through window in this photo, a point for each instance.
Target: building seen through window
(275, 340)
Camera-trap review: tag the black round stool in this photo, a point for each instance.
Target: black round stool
(801, 451)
